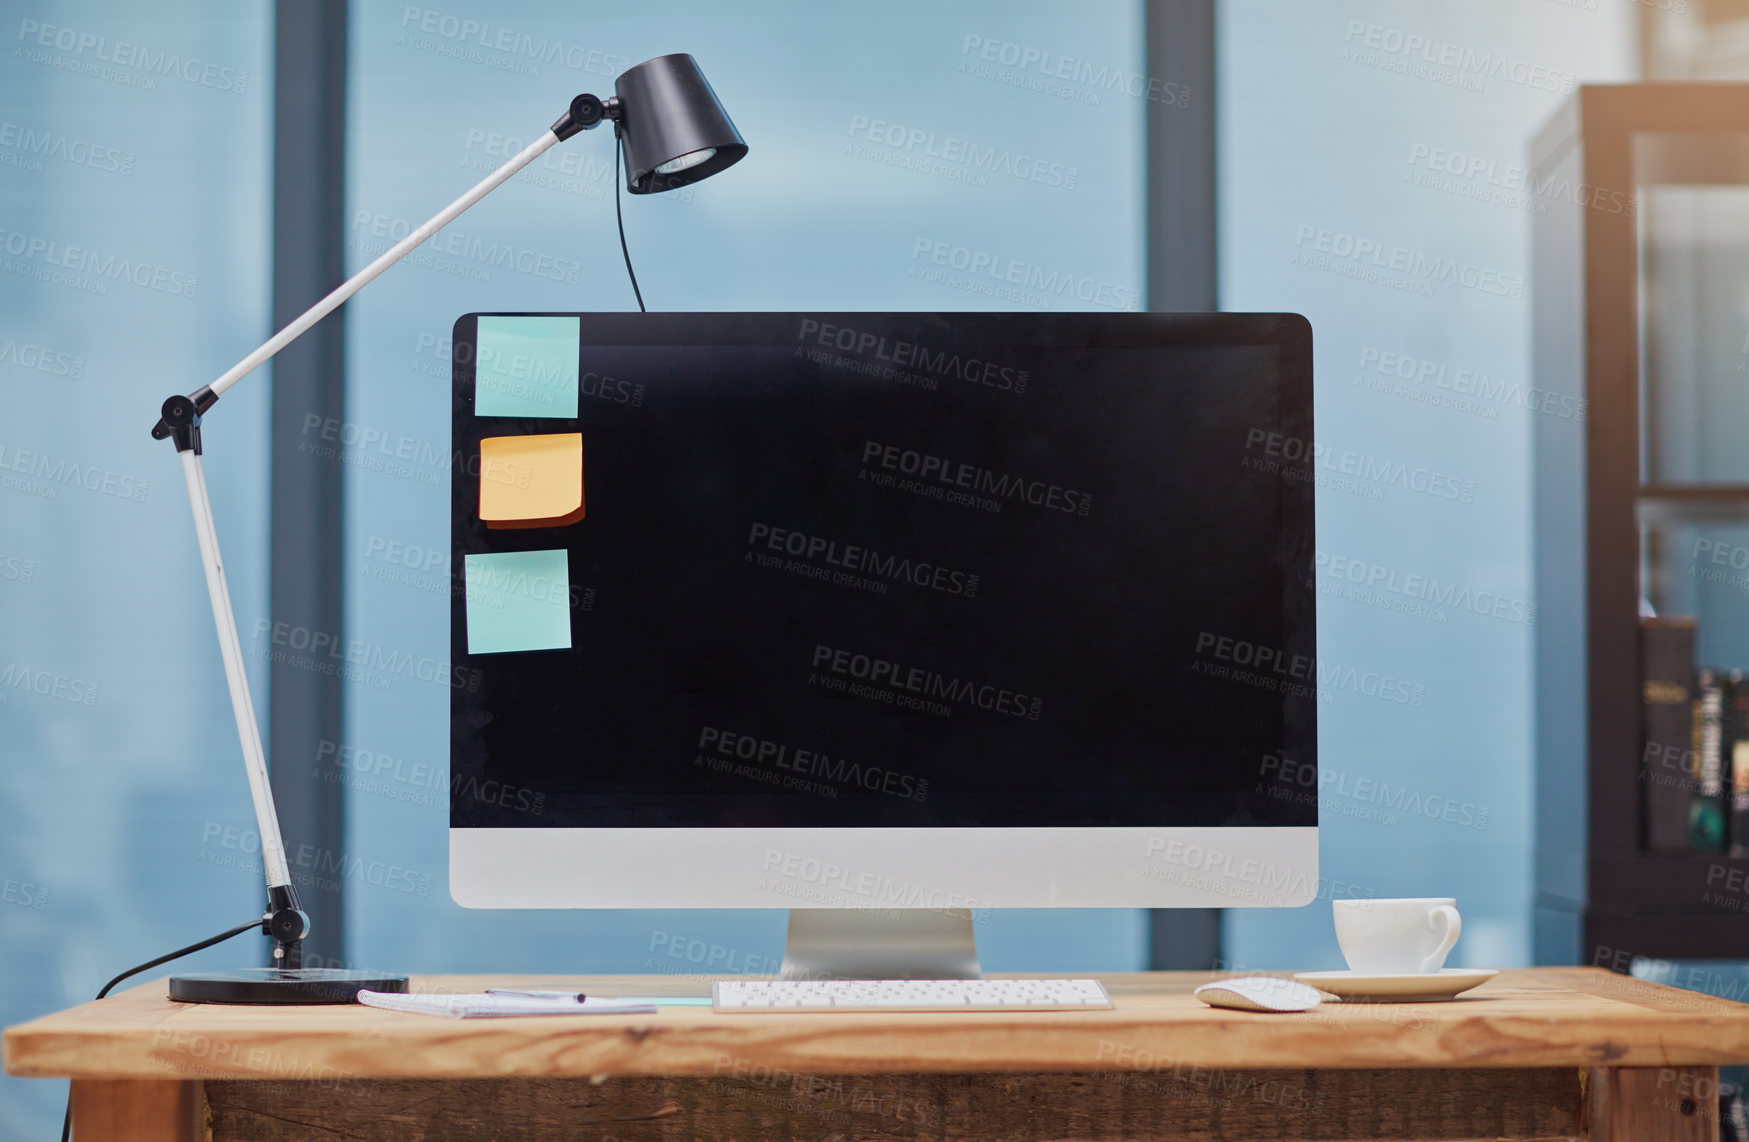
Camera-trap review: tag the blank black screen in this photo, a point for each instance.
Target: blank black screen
(842, 570)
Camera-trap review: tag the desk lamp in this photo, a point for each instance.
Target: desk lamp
(673, 132)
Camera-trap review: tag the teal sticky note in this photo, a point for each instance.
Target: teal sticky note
(526, 366)
(518, 600)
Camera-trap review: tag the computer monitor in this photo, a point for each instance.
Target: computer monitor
(899, 616)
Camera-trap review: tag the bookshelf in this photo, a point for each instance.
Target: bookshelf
(1631, 177)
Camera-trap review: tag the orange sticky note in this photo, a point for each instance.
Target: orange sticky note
(531, 481)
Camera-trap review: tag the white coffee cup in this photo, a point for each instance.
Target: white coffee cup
(1397, 937)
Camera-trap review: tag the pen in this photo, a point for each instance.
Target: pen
(519, 993)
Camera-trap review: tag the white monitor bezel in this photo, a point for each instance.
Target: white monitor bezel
(886, 868)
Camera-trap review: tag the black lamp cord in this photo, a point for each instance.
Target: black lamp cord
(251, 926)
(618, 146)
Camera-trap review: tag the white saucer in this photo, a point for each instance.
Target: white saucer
(1423, 987)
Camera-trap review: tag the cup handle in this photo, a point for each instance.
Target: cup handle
(1454, 926)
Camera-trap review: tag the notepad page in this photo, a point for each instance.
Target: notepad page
(472, 1005)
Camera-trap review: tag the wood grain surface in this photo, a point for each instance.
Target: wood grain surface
(139, 1110)
(1541, 1017)
(1190, 1104)
(1653, 1104)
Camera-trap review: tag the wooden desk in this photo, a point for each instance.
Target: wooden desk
(1542, 1053)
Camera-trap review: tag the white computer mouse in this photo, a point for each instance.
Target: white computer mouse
(1259, 993)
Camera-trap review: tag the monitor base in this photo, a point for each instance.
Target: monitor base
(901, 943)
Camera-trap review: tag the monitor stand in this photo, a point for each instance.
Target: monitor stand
(902, 943)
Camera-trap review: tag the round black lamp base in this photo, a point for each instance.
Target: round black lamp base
(278, 986)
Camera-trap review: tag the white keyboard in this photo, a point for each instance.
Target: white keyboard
(735, 995)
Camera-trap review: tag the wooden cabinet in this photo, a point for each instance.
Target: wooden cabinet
(1641, 443)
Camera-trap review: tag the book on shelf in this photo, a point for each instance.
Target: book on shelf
(1667, 719)
(1737, 775)
(1706, 805)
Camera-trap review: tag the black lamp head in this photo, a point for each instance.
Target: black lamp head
(674, 130)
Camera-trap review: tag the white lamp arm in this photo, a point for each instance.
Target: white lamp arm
(181, 422)
(383, 261)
